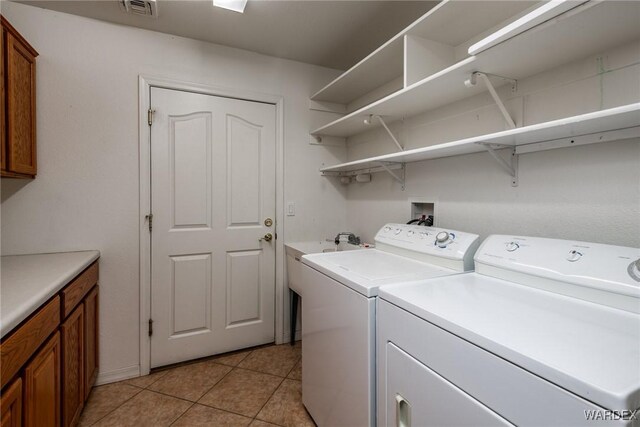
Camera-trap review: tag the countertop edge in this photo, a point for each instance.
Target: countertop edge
(8, 325)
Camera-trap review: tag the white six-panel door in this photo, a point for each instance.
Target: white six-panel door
(212, 190)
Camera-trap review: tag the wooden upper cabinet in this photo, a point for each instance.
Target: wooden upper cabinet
(3, 118)
(19, 155)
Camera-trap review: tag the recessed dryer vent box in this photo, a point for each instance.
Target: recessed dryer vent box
(421, 207)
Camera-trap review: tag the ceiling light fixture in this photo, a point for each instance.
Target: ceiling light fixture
(235, 5)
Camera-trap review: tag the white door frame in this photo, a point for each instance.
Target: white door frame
(144, 86)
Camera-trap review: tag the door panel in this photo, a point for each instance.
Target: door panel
(11, 403)
(73, 356)
(420, 396)
(213, 184)
(190, 145)
(21, 101)
(243, 287)
(42, 386)
(191, 293)
(243, 167)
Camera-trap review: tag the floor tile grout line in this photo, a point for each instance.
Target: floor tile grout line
(226, 410)
(192, 403)
(293, 367)
(216, 383)
(182, 414)
(267, 401)
(111, 411)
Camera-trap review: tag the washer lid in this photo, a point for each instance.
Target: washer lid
(589, 349)
(364, 271)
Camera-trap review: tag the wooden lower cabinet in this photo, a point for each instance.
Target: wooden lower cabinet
(41, 381)
(73, 350)
(11, 403)
(49, 363)
(91, 314)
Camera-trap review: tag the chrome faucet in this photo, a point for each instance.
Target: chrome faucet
(352, 238)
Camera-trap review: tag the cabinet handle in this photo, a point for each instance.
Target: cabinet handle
(403, 412)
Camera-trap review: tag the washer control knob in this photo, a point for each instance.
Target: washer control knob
(387, 229)
(423, 234)
(634, 270)
(512, 246)
(410, 233)
(442, 237)
(574, 256)
(398, 231)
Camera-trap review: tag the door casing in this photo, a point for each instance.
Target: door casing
(145, 82)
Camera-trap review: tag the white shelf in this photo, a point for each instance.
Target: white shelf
(385, 64)
(541, 14)
(585, 127)
(583, 31)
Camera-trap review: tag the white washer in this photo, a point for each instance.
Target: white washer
(544, 332)
(338, 293)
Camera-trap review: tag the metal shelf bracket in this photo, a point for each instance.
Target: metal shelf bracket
(384, 125)
(399, 177)
(494, 94)
(511, 166)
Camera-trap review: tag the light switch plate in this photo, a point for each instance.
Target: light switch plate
(291, 209)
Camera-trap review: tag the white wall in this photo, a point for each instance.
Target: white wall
(590, 193)
(86, 193)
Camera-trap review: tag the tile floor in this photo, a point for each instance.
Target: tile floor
(259, 387)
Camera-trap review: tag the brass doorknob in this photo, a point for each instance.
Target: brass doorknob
(267, 237)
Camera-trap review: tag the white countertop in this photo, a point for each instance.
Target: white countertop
(28, 281)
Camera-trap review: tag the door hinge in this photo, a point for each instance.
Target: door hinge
(149, 219)
(150, 327)
(150, 116)
(276, 235)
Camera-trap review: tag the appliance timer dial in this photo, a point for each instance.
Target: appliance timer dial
(574, 256)
(442, 237)
(634, 270)
(512, 246)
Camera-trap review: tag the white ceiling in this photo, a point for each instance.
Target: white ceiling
(334, 34)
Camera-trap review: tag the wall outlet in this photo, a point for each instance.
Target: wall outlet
(291, 209)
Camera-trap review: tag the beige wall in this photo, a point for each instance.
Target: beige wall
(86, 193)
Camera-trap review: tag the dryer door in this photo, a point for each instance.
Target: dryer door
(418, 396)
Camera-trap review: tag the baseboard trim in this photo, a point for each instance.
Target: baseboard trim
(118, 375)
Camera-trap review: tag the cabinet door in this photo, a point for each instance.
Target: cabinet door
(42, 386)
(11, 402)
(21, 107)
(91, 339)
(72, 366)
(3, 100)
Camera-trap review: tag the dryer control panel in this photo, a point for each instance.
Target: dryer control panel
(556, 265)
(417, 240)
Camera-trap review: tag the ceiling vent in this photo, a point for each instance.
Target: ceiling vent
(140, 7)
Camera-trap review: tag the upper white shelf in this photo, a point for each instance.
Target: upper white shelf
(626, 117)
(582, 31)
(385, 64)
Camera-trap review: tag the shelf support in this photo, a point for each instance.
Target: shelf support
(384, 125)
(511, 167)
(494, 94)
(398, 177)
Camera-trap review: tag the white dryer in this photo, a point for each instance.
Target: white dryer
(338, 313)
(545, 332)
